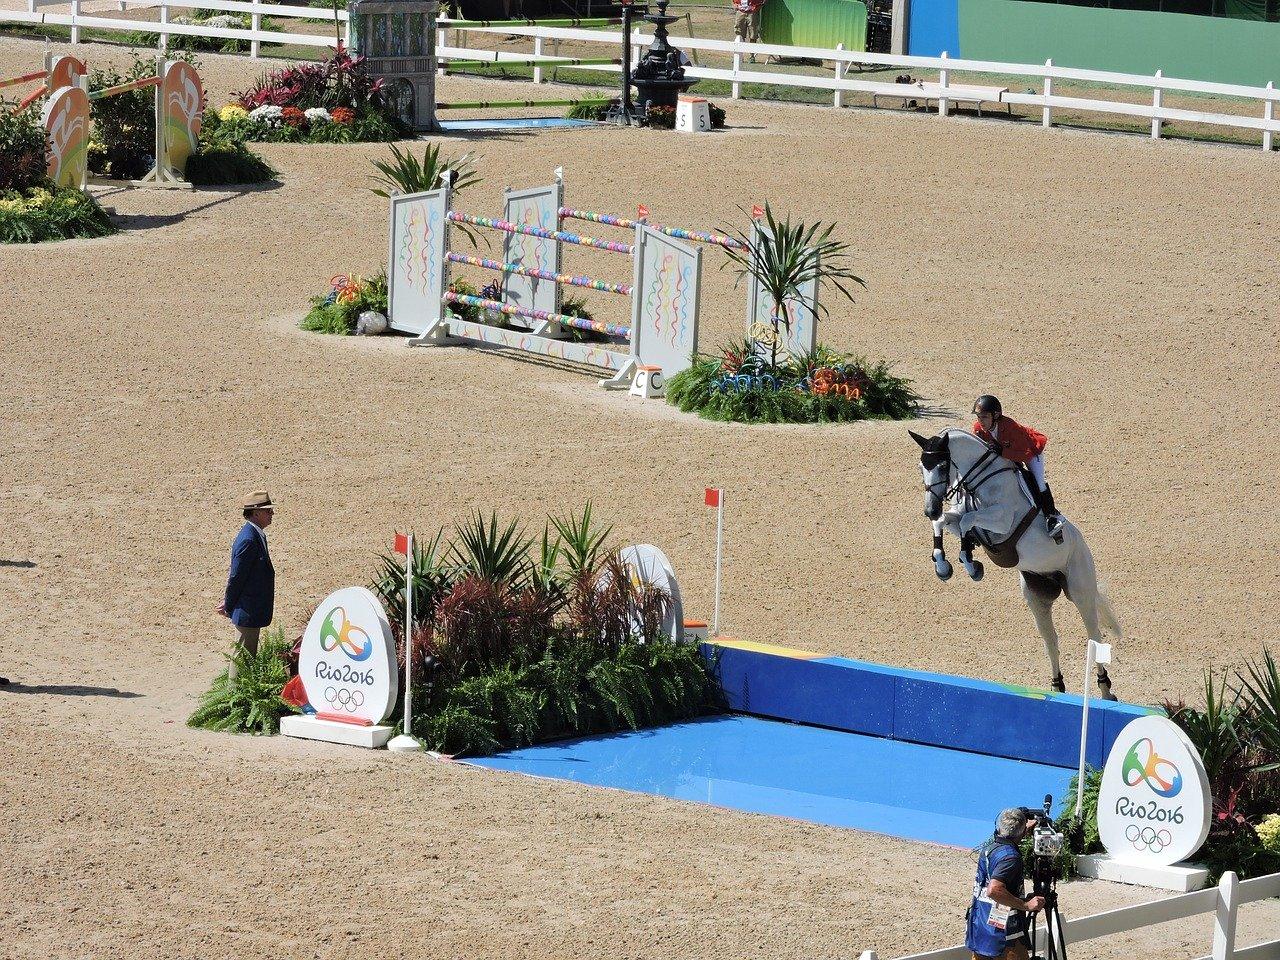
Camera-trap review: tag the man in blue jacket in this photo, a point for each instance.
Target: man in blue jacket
(251, 584)
(997, 919)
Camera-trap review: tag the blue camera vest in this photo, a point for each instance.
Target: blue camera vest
(991, 925)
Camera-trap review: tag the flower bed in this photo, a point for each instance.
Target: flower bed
(744, 385)
(335, 101)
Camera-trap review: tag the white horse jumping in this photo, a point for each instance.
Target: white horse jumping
(991, 506)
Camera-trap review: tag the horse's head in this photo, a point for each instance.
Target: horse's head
(935, 466)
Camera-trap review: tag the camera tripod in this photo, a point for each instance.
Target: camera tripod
(1045, 884)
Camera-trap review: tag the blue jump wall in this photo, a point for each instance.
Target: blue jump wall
(911, 705)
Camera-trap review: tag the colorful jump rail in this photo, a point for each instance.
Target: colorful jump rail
(179, 104)
(666, 280)
(58, 72)
(560, 236)
(612, 220)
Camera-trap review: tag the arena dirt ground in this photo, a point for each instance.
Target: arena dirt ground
(1117, 293)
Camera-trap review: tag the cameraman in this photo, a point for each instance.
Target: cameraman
(997, 918)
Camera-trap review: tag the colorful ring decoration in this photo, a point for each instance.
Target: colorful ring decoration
(1161, 775)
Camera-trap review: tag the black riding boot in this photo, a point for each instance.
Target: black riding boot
(1052, 519)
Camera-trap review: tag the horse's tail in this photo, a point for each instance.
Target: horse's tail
(1110, 622)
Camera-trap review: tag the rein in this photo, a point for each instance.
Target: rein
(963, 485)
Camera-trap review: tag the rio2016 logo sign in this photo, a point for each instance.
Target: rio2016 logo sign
(1153, 803)
(1143, 765)
(338, 631)
(347, 660)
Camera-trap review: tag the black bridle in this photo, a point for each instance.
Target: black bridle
(930, 460)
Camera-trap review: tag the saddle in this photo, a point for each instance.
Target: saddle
(1004, 553)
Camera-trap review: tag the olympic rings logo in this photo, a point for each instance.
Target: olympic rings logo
(338, 631)
(1143, 765)
(1147, 838)
(343, 699)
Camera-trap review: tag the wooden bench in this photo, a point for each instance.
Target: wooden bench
(952, 94)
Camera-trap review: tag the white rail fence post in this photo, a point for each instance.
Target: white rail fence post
(440, 42)
(255, 45)
(537, 52)
(735, 89)
(163, 44)
(1157, 97)
(75, 16)
(1224, 927)
(944, 76)
(837, 99)
(1046, 115)
(1268, 114)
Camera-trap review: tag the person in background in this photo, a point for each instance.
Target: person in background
(746, 25)
(249, 601)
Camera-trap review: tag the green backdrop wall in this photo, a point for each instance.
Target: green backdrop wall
(1129, 41)
(815, 23)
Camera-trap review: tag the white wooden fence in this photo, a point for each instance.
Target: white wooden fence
(946, 91)
(1224, 901)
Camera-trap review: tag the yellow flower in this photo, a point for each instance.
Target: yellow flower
(232, 112)
(12, 206)
(1269, 832)
(39, 198)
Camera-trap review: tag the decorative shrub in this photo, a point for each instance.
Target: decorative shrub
(821, 387)
(124, 126)
(519, 639)
(251, 703)
(350, 296)
(22, 148)
(46, 213)
(220, 162)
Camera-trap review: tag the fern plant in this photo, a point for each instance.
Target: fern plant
(251, 702)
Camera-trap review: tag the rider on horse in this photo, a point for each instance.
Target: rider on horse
(1022, 445)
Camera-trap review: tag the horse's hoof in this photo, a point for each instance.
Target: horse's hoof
(941, 565)
(1059, 684)
(975, 570)
(1104, 685)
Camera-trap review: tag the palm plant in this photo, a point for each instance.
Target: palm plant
(1262, 688)
(407, 174)
(251, 702)
(581, 541)
(484, 551)
(782, 257)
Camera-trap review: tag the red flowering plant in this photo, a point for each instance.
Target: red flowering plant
(293, 117)
(342, 115)
(342, 81)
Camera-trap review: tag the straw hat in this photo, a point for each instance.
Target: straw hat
(259, 500)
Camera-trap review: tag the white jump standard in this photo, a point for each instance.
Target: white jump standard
(664, 290)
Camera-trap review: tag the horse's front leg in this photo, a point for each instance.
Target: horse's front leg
(941, 565)
(972, 567)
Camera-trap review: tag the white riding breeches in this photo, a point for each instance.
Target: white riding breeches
(1036, 466)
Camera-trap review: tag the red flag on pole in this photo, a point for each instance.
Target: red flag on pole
(713, 496)
(402, 543)
(757, 211)
(643, 212)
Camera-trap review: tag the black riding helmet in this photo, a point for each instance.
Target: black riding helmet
(987, 404)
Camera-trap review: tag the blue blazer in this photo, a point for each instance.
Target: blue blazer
(251, 585)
